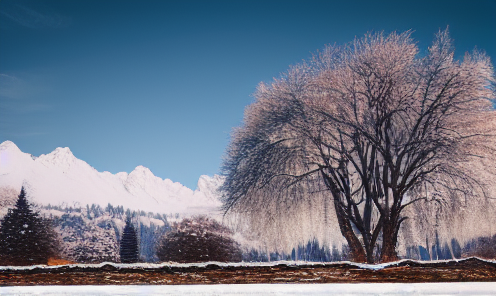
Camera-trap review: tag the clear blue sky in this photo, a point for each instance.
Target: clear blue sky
(162, 83)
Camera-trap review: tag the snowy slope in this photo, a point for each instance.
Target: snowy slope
(59, 178)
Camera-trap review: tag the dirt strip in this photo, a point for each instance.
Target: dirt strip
(404, 272)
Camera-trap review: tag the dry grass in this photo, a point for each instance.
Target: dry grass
(58, 261)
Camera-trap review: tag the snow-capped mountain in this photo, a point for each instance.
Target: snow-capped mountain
(61, 178)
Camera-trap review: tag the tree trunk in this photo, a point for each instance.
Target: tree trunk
(356, 248)
(370, 254)
(389, 239)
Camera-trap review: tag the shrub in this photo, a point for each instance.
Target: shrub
(199, 239)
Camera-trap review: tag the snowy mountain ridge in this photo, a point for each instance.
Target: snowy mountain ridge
(59, 178)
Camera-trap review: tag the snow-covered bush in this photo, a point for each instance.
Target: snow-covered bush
(199, 239)
(483, 247)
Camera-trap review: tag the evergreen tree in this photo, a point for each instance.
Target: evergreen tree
(26, 238)
(129, 249)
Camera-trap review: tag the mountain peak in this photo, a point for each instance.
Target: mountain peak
(9, 145)
(12, 157)
(62, 154)
(142, 170)
(62, 151)
(59, 156)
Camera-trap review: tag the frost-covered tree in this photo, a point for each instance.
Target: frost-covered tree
(129, 247)
(199, 239)
(358, 134)
(26, 238)
(8, 197)
(91, 234)
(88, 240)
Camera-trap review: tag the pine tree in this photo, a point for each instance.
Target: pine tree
(129, 249)
(26, 238)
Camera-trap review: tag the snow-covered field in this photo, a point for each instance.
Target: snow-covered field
(471, 288)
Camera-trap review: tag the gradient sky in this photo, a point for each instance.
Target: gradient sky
(162, 83)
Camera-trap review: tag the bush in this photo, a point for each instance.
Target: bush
(198, 239)
(483, 247)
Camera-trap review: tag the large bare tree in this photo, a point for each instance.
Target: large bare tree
(372, 127)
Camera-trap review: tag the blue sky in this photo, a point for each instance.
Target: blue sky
(162, 83)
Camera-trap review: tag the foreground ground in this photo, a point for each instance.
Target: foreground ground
(468, 270)
(469, 288)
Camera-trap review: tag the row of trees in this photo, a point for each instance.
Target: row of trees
(364, 131)
(27, 239)
(92, 233)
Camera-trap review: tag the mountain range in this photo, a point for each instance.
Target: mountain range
(59, 178)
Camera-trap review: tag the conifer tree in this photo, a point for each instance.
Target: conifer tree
(129, 248)
(26, 238)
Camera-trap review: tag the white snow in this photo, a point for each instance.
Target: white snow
(147, 221)
(59, 178)
(470, 288)
(233, 264)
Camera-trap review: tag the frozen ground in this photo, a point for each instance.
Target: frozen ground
(471, 288)
(216, 273)
(237, 264)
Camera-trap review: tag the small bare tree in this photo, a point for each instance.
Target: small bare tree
(373, 127)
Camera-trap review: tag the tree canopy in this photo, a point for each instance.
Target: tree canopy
(359, 133)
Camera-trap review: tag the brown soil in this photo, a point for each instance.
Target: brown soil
(471, 269)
